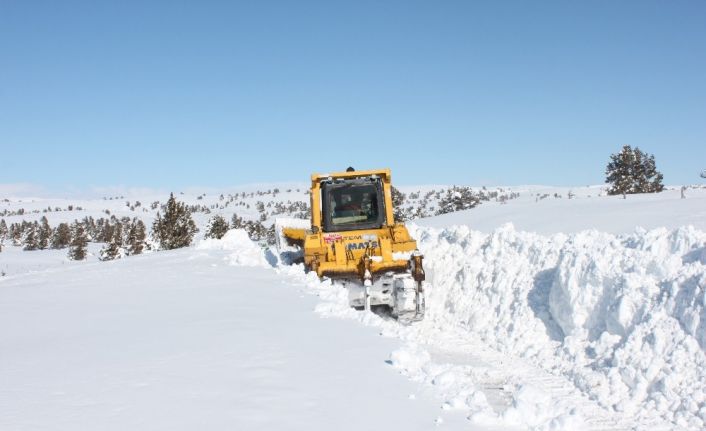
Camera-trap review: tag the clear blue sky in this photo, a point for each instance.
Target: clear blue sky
(170, 94)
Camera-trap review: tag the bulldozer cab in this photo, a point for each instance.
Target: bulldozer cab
(352, 204)
(351, 201)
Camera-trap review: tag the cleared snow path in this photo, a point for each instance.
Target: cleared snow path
(183, 340)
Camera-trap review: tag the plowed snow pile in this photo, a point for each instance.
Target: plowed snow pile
(622, 316)
(245, 252)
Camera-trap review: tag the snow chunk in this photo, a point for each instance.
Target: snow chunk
(410, 360)
(245, 251)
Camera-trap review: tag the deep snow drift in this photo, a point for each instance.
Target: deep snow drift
(622, 316)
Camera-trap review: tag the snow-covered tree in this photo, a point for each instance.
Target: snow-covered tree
(3, 229)
(619, 172)
(15, 233)
(271, 235)
(114, 249)
(89, 225)
(236, 222)
(61, 237)
(398, 199)
(44, 234)
(136, 237)
(126, 223)
(79, 241)
(176, 228)
(256, 230)
(457, 199)
(105, 232)
(653, 178)
(633, 171)
(30, 239)
(217, 227)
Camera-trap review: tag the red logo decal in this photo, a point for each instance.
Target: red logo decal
(332, 237)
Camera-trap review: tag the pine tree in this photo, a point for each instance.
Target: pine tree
(633, 171)
(398, 199)
(61, 237)
(89, 227)
(126, 223)
(176, 228)
(79, 241)
(236, 222)
(3, 229)
(44, 233)
(271, 235)
(105, 233)
(256, 230)
(30, 240)
(136, 237)
(457, 199)
(114, 249)
(100, 226)
(639, 180)
(15, 233)
(3, 232)
(653, 176)
(619, 172)
(217, 227)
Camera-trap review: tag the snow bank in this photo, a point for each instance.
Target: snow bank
(622, 316)
(245, 251)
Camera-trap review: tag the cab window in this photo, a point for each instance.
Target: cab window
(353, 205)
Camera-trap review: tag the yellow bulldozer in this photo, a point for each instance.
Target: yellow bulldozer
(353, 239)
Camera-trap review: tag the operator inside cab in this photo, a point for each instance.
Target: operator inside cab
(354, 205)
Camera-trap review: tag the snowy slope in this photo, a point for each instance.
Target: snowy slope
(586, 210)
(144, 204)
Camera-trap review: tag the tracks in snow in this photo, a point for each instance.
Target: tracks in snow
(508, 382)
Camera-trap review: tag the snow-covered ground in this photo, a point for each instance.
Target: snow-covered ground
(585, 313)
(184, 340)
(538, 210)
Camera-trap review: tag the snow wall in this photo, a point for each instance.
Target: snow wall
(622, 316)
